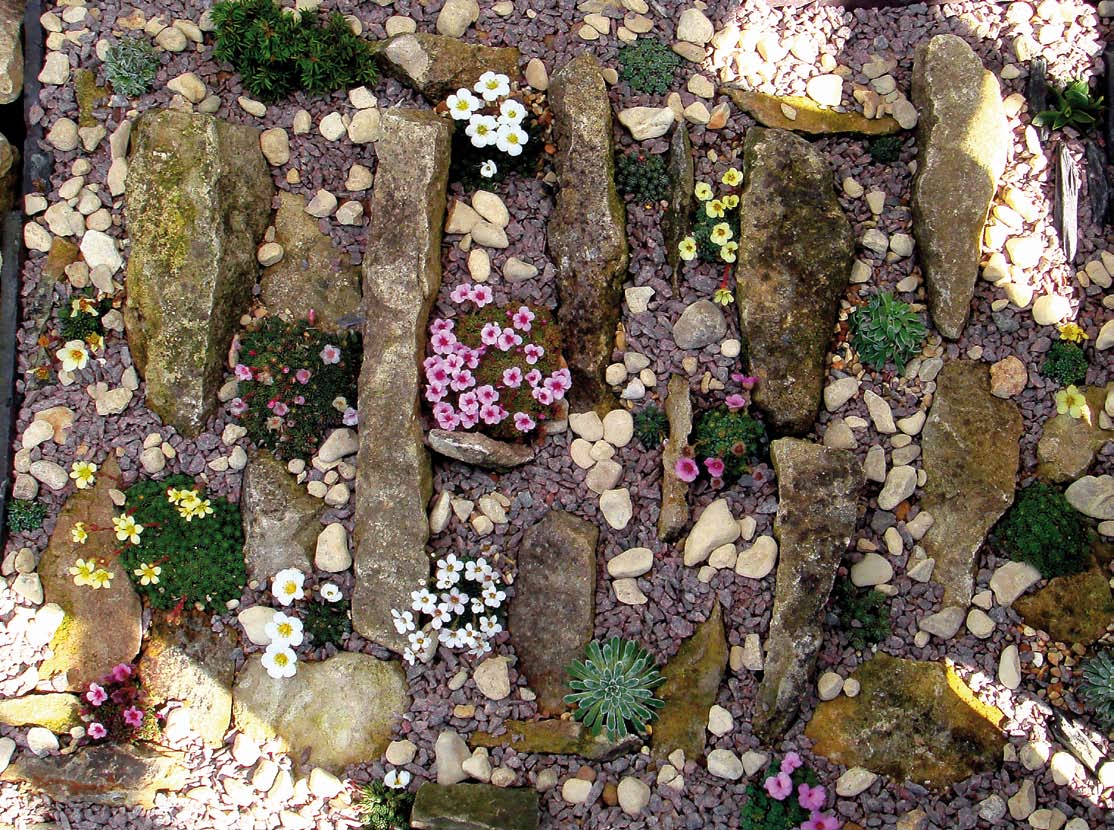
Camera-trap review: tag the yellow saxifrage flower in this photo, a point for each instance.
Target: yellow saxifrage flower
(148, 574)
(687, 248)
(720, 234)
(101, 579)
(95, 341)
(126, 529)
(78, 534)
(727, 251)
(703, 191)
(730, 202)
(82, 572)
(732, 178)
(723, 296)
(74, 356)
(84, 474)
(1072, 402)
(83, 305)
(1072, 332)
(714, 208)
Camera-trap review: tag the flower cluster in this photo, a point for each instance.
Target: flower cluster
(1072, 332)
(463, 611)
(285, 630)
(499, 368)
(116, 708)
(789, 798)
(811, 798)
(189, 503)
(716, 222)
(494, 119)
(726, 439)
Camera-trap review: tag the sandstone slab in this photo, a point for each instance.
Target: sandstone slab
(437, 66)
(281, 520)
(474, 807)
(1067, 446)
(554, 736)
(11, 50)
(769, 111)
(674, 515)
(1071, 609)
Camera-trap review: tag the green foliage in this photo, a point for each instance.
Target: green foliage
(279, 51)
(864, 614)
(1097, 688)
(735, 438)
(648, 65)
(201, 559)
(1065, 363)
(1074, 108)
(328, 622)
(651, 426)
(82, 317)
(131, 65)
(763, 812)
(383, 808)
(613, 687)
(885, 149)
(279, 355)
(24, 515)
(702, 225)
(886, 329)
(643, 177)
(1043, 529)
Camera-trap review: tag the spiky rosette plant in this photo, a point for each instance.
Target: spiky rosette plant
(613, 688)
(886, 329)
(1098, 687)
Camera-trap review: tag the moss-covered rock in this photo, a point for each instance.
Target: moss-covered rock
(1072, 609)
(59, 712)
(555, 737)
(1068, 445)
(809, 117)
(474, 807)
(437, 66)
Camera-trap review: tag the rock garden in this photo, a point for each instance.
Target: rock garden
(507, 415)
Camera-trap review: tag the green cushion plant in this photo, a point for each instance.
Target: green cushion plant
(24, 515)
(131, 65)
(1097, 688)
(885, 149)
(1043, 529)
(886, 330)
(384, 808)
(651, 425)
(648, 65)
(864, 614)
(613, 688)
(643, 177)
(1065, 362)
(737, 439)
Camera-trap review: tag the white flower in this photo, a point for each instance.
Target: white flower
(462, 104)
(511, 112)
(419, 641)
(280, 660)
(404, 621)
(469, 636)
(490, 626)
(482, 129)
(397, 779)
(449, 637)
(488, 169)
(440, 616)
(74, 356)
(479, 648)
(454, 601)
(409, 656)
(493, 597)
(477, 570)
(424, 601)
(286, 586)
(448, 571)
(492, 85)
(330, 592)
(478, 605)
(284, 630)
(510, 139)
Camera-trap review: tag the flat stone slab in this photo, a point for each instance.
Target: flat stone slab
(809, 117)
(1067, 446)
(474, 807)
(555, 736)
(437, 66)
(402, 273)
(1072, 609)
(281, 520)
(57, 711)
(970, 453)
(674, 515)
(479, 450)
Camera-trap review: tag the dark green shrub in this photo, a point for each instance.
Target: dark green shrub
(886, 330)
(864, 614)
(1097, 688)
(279, 51)
(131, 65)
(81, 318)
(648, 65)
(1043, 529)
(385, 809)
(613, 688)
(24, 515)
(885, 149)
(328, 622)
(201, 558)
(651, 425)
(1065, 363)
(290, 396)
(1074, 108)
(735, 438)
(761, 811)
(643, 177)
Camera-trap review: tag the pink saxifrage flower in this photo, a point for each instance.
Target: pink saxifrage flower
(330, 355)
(542, 395)
(435, 392)
(303, 376)
(508, 339)
(486, 394)
(791, 763)
(533, 352)
(512, 377)
(686, 469)
(481, 295)
(279, 408)
(522, 318)
(96, 731)
(237, 406)
(96, 694)
(461, 293)
(534, 377)
(736, 402)
(121, 672)
(779, 786)
(821, 821)
(489, 334)
(133, 717)
(714, 467)
(442, 342)
(441, 325)
(242, 372)
(351, 417)
(810, 798)
(523, 422)
(464, 379)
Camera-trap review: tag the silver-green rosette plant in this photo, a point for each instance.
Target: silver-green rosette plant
(613, 688)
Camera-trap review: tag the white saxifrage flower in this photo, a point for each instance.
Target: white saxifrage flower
(482, 130)
(284, 630)
(286, 586)
(280, 661)
(462, 104)
(510, 139)
(492, 86)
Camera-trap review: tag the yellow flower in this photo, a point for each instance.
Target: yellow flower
(73, 355)
(720, 234)
(101, 579)
(174, 496)
(78, 533)
(83, 305)
(1072, 332)
(714, 208)
(148, 574)
(727, 251)
(687, 248)
(730, 202)
(194, 508)
(1072, 402)
(723, 296)
(703, 191)
(732, 178)
(84, 473)
(126, 529)
(95, 341)
(82, 572)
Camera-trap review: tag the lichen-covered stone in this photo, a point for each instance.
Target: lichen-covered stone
(682, 198)
(1071, 609)
(587, 229)
(818, 489)
(475, 448)
(57, 711)
(555, 736)
(11, 50)
(198, 200)
(962, 141)
(436, 66)
(9, 173)
(970, 454)
(810, 118)
(794, 264)
(912, 720)
(674, 513)
(1067, 446)
(281, 520)
(474, 807)
(402, 274)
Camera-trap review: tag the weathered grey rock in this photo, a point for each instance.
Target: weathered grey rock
(587, 234)
(437, 66)
(402, 273)
(794, 263)
(554, 736)
(1067, 446)
(674, 515)
(281, 520)
(11, 50)
(198, 201)
(331, 714)
(479, 450)
(474, 807)
(9, 174)
(962, 140)
(818, 490)
(1093, 496)
(312, 274)
(682, 198)
(970, 453)
(700, 325)
(553, 612)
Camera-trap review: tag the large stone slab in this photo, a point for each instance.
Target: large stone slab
(437, 66)
(692, 678)
(554, 736)
(11, 50)
(312, 274)
(198, 200)
(57, 711)
(677, 221)
(674, 515)
(102, 627)
(962, 141)
(479, 450)
(402, 273)
(1072, 609)
(970, 453)
(9, 175)
(1067, 446)
(794, 264)
(331, 714)
(552, 615)
(587, 229)
(808, 116)
(474, 807)
(912, 721)
(818, 490)
(281, 520)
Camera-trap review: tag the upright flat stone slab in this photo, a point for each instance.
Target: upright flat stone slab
(198, 200)
(552, 615)
(402, 273)
(587, 230)
(677, 220)
(674, 492)
(818, 489)
(555, 736)
(281, 520)
(970, 451)
(794, 264)
(11, 50)
(474, 807)
(808, 116)
(436, 66)
(962, 141)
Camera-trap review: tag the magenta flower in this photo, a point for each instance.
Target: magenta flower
(779, 786)
(472, 358)
(461, 293)
(443, 410)
(714, 467)
(463, 380)
(735, 402)
(686, 469)
(242, 372)
(438, 374)
(810, 798)
(441, 325)
(133, 717)
(121, 672)
(302, 376)
(299, 400)
(96, 731)
(453, 362)
(279, 408)
(522, 318)
(791, 762)
(523, 422)
(542, 395)
(96, 694)
(469, 402)
(534, 377)
(745, 381)
(508, 340)
(821, 821)
(533, 353)
(350, 417)
(481, 295)
(330, 354)
(469, 419)
(492, 413)
(237, 406)
(435, 392)
(512, 377)
(442, 342)
(489, 334)
(486, 394)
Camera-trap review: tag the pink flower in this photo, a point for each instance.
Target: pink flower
(555, 386)
(560, 381)
(534, 377)
(469, 419)
(437, 374)
(492, 413)
(302, 376)
(330, 354)
(791, 762)
(279, 408)
(121, 672)
(442, 410)
(735, 402)
(810, 798)
(714, 467)
(508, 340)
(533, 353)
(469, 403)
(821, 821)
(434, 392)
(686, 469)
(746, 381)
(454, 363)
(237, 406)
(472, 358)
(462, 381)
(242, 372)
(446, 416)
(299, 400)
(96, 731)
(96, 694)
(481, 295)
(441, 325)
(133, 717)
(489, 334)
(461, 293)
(522, 318)
(350, 417)
(486, 394)
(523, 422)
(542, 395)
(512, 377)
(779, 786)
